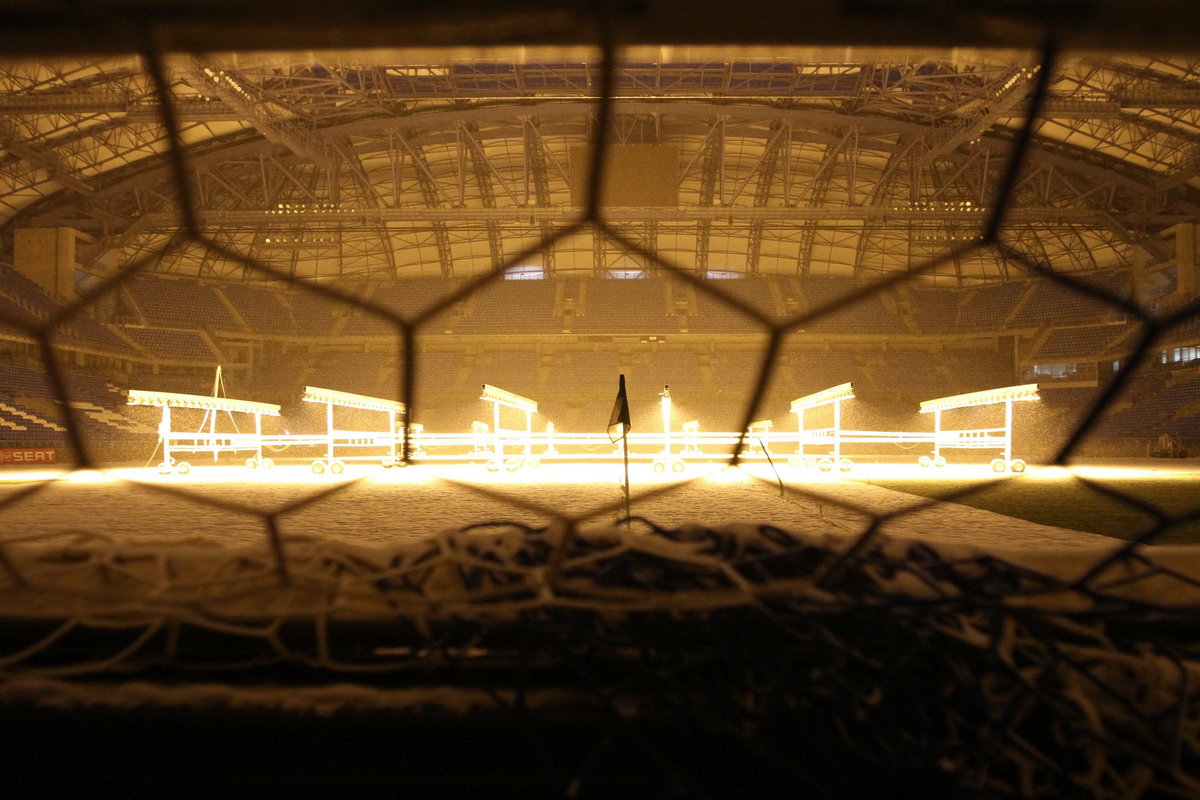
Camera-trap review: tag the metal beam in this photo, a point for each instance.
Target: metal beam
(429, 190)
(44, 158)
(419, 125)
(765, 163)
(484, 171)
(307, 191)
(563, 214)
(214, 174)
(350, 159)
(1187, 170)
(370, 194)
(714, 154)
(1058, 105)
(117, 104)
(762, 193)
(535, 159)
(984, 113)
(816, 188)
(599, 251)
(270, 123)
(872, 227)
(429, 182)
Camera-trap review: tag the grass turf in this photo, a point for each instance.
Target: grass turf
(1072, 503)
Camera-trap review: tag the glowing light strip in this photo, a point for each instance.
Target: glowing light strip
(509, 399)
(1026, 391)
(137, 397)
(210, 438)
(843, 391)
(315, 394)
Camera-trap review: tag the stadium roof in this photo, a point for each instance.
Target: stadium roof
(797, 159)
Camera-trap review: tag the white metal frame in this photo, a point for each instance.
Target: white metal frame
(941, 439)
(346, 438)
(501, 398)
(203, 441)
(979, 438)
(655, 447)
(833, 396)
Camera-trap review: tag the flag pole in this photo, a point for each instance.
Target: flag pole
(625, 450)
(618, 428)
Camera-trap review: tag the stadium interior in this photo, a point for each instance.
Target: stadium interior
(787, 181)
(562, 338)
(922, 199)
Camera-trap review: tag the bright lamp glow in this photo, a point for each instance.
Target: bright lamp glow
(843, 391)
(138, 397)
(315, 394)
(1025, 391)
(88, 476)
(497, 395)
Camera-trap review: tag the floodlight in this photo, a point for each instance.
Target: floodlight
(497, 395)
(138, 397)
(1026, 391)
(313, 394)
(843, 391)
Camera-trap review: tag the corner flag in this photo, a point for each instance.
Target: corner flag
(618, 423)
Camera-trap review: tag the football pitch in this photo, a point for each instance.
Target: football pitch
(1112, 502)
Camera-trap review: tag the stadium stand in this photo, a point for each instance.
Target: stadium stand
(179, 302)
(87, 386)
(974, 370)
(734, 369)
(1155, 404)
(584, 368)
(360, 373)
(820, 369)
(406, 299)
(867, 315)
(30, 412)
(27, 304)
(987, 307)
(934, 310)
(714, 316)
(363, 323)
(1084, 342)
(679, 368)
(23, 425)
(410, 297)
(262, 310)
(1053, 303)
(512, 307)
(25, 292)
(105, 423)
(516, 371)
(174, 345)
(21, 317)
(623, 306)
(754, 290)
(891, 369)
(440, 368)
(18, 381)
(86, 333)
(313, 314)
